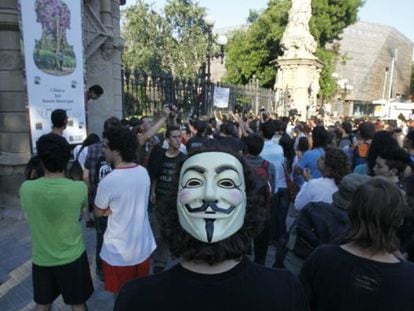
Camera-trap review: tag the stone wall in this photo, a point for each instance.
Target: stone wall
(103, 47)
(14, 133)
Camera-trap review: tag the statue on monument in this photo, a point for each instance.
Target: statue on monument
(297, 41)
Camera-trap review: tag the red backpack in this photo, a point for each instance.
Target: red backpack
(263, 184)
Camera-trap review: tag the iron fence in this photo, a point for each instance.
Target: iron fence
(146, 93)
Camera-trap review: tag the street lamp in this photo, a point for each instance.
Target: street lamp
(344, 89)
(206, 72)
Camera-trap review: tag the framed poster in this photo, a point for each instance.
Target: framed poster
(53, 54)
(221, 97)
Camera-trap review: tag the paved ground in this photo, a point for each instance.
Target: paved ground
(16, 292)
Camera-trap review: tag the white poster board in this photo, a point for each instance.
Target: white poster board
(221, 97)
(53, 54)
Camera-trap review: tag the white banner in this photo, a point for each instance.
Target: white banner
(53, 53)
(221, 97)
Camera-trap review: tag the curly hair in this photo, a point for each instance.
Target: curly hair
(337, 164)
(182, 244)
(54, 152)
(123, 140)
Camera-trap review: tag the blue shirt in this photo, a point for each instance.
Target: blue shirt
(310, 161)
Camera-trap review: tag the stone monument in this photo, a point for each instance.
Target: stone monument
(102, 48)
(297, 79)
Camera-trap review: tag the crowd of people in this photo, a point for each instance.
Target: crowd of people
(336, 202)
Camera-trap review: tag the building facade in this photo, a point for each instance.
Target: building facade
(102, 47)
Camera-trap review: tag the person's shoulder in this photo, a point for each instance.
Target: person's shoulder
(273, 273)
(145, 287)
(29, 184)
(137, 292)
(76, 185)
(328, 251)
(316, 182)
(141, 170)
(273, 277)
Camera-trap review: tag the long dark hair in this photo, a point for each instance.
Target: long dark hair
(376, 211)
(182, 244)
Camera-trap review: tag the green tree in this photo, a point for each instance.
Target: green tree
(173, 42)
(186, 45)
(144, 32)
(253, 51)
(253, 16)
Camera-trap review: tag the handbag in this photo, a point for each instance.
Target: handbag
(292, 187)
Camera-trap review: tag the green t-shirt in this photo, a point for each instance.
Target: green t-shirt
(53, 207)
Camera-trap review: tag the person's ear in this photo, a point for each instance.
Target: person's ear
(394, 172)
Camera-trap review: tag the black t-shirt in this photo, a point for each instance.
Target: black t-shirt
(335, 279)
(165, 173)
(245, 287)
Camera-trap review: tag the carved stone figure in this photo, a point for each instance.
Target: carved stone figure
(297, 40)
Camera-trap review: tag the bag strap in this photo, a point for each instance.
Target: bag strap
(80, 150)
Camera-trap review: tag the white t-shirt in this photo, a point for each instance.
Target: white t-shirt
(128, 239)
(316, 190)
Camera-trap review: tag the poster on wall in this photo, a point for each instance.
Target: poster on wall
(221, 97)
(53, 54)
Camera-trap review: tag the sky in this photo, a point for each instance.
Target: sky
(227, 13)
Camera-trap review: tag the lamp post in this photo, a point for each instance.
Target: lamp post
(206, 69)
(344, 89)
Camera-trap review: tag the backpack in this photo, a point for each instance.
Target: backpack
(318, 223)
(360, 154)
(75, 171)
(263, 184)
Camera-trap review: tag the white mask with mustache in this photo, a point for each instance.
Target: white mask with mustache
(211, 199)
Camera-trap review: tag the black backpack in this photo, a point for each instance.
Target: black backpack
(75, 171)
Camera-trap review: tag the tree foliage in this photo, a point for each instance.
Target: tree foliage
(252, 51)
(144, 32)
(173, 42)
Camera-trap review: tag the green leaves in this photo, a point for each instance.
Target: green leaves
(174, 42)
(251, 51)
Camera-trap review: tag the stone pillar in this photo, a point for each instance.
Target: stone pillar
(298, 68)
(14, 133)
(103, 61)
(300, 78)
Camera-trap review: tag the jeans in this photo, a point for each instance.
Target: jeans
(279, 210)
(100, 225)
